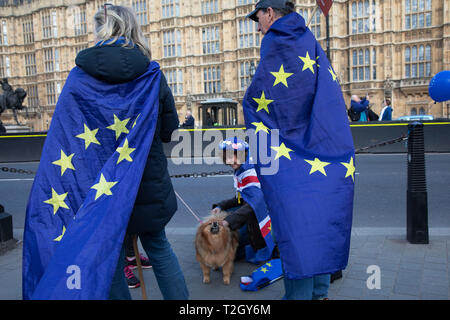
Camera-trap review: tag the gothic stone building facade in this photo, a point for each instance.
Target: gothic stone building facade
(206, 48)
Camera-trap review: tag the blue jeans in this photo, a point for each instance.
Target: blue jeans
(314, 288)
(165, 265)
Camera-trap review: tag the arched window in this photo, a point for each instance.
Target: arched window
(422, 111)
(248, 34)
(407, 61)
(367, 65)
(363, 15)
(374, 63)
(366, 14)
(428, 60)
(421, 64)
(414, 112)
(417, 14)
(363, 61)
(421, 53)
(315, 21)
(418, 61)
(354, 64)
(246, 73)
(315, 24)
(304, 14)
(414, 54)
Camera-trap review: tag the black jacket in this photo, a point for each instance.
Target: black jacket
(189, 122)
(155, 202)
(244, 215)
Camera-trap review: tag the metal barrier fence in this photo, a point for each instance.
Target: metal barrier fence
(27, 147)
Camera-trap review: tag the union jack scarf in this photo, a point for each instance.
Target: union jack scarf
(248, 187)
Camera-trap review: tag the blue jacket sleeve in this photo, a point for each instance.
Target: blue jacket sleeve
(360, 106)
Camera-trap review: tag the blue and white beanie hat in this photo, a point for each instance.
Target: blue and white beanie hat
(234, 144)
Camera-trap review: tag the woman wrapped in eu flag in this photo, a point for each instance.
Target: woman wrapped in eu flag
(122, 55)
(103, 173)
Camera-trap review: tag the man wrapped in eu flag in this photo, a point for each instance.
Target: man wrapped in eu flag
(295, 105)
(103, 171)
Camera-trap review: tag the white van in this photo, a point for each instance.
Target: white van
(415, 118)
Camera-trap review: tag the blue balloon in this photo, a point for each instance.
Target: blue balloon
(439, 89)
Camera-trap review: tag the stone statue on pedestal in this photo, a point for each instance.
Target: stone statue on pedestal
(11, 99)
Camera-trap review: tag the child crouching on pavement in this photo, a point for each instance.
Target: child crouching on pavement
(248, 211)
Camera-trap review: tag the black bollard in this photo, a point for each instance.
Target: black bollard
(417, 203)
(6, 229)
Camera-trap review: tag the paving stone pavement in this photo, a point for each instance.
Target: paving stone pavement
(408, 272)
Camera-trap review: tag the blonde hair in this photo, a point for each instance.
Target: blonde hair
(120, 22)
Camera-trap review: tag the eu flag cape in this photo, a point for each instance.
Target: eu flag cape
(85, 188)
(247, 185)
(295, 96)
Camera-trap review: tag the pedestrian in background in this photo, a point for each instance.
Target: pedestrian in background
(360, 107)
(386, 112)
(189, 120)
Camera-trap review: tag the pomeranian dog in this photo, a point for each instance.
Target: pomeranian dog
(215, 247)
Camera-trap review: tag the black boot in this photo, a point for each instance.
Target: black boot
(335, 276)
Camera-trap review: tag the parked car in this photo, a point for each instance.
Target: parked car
(415, 118)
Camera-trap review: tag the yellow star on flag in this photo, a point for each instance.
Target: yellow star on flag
(57, 201)
(318, 165)
(124, 152)
(333, 74)
(281, 76)
(350, 169)
(307, 62)
(263, 103)
(263, 269)
(260, 126)
(119, 126)
(88, 136)
(268, 264)
(58, 239)
(317, 58)
(103, 187)
(282, 151)
(135, 121)
(65, 162)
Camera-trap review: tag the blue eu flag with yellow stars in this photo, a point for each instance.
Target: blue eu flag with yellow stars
(263, 276)
(295, 95)
(88, 178)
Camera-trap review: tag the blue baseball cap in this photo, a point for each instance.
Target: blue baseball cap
(264, 4)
